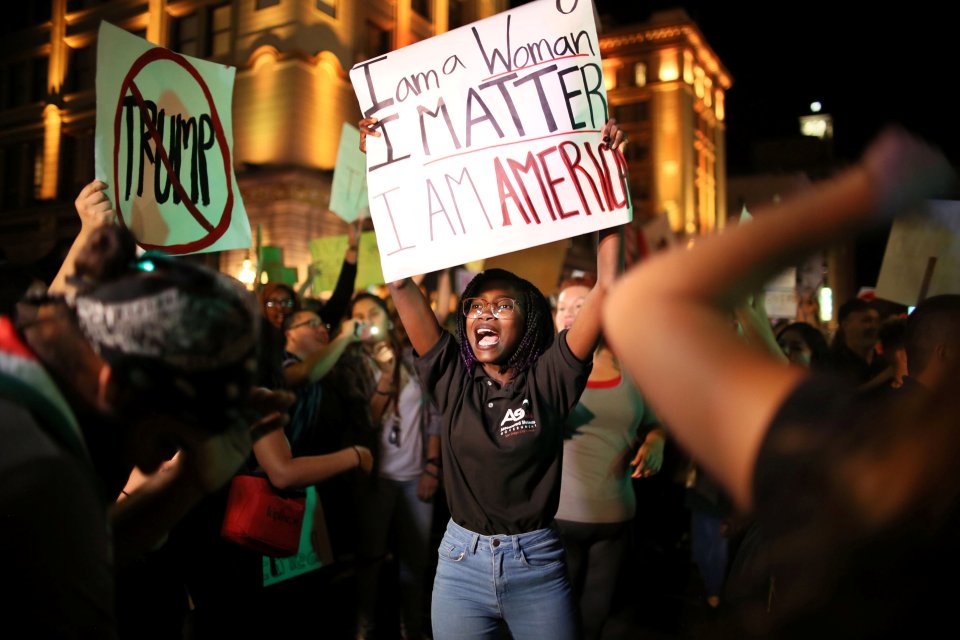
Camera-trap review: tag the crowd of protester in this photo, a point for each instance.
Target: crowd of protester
(817, 470)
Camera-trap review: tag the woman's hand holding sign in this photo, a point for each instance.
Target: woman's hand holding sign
(366, 127)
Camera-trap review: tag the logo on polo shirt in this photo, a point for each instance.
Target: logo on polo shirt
(514, 421)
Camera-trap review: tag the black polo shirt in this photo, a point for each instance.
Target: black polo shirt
(502, 446)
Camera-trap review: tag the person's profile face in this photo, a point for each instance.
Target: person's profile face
(861, 329)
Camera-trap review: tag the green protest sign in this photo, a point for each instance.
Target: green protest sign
(327, 254)
(279, 569)
(348, 193)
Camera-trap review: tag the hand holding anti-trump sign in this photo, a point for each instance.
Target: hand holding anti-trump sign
(490, 139)
(163, 145)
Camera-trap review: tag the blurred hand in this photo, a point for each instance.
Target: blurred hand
(93, 206)
(354, 229)
(905, 170)
(366, 129)
(427, 487)
(649, 457)
(384, 356)
(612, 135)
(350, 329)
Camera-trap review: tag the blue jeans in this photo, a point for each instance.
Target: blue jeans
(519, 579)
(709, 550)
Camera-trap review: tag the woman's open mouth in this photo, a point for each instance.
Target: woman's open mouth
(486, 337)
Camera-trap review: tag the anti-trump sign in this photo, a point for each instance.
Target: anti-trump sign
(164, 146)
(490, 139)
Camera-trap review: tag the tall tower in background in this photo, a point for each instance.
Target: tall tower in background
(667, 90)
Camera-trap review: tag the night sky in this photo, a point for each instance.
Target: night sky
(867, 67)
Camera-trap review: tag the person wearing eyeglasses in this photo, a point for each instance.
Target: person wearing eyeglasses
(310, 353)
(279, 301)
(505, 386)
(395, 503)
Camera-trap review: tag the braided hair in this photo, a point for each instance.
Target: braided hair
(535, 310)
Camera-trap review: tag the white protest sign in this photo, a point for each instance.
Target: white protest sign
(921, 249)
(348, 193)
(490, 139)
(164, 146)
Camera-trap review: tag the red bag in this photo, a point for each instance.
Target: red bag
(260, 519)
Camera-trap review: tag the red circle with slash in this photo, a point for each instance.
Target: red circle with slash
(213, 233)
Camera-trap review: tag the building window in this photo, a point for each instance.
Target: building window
(640, 74)
(632, 112)
(637, 152)
(422, 8)
(203, 34)
(76, 158)
(38, 79)
(219, 29)
(25, 16)
(610, 74)
(379, 40)
(669, 66)
(82, 69)
(18, 165)
(186, 36)
(23, 82)
(77, 5)
(263, 4)
(456, 14)
(329, 7)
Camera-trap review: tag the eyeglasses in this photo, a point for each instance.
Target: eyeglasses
(286, 304)
(500, 308)
(313, 323)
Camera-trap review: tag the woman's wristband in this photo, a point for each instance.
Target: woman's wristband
(431, 474)
(359, 459)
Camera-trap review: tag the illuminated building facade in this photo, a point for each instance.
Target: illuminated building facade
(292, 95)
(667, 89)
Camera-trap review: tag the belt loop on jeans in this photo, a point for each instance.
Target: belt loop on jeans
(516, 545)
(472, 547)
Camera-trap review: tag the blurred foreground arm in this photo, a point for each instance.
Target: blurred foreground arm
(668, 319)
(142, 519)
